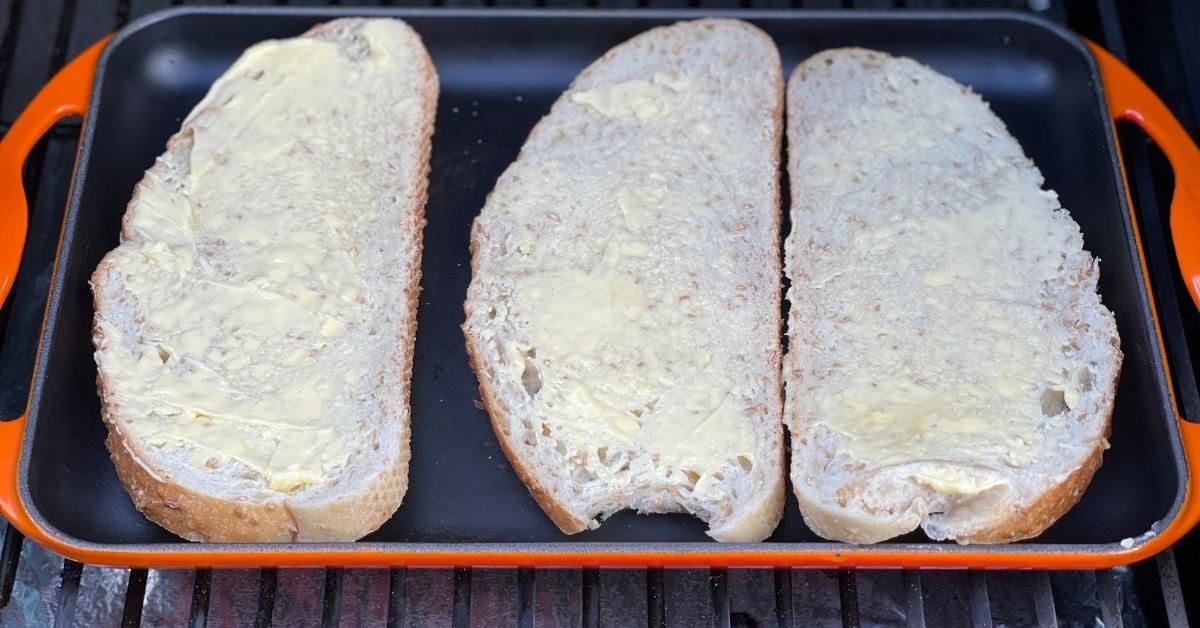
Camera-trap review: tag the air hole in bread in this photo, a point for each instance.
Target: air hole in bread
(745, 463)
(545, 430)
(1054, 402)
(164, 354)
(692, 477)
(1083, 379)
(531, 381)
(491, 313)
(560, 447)
(602, 455)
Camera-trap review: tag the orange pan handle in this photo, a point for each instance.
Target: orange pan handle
(1131, 100)
(65, 95)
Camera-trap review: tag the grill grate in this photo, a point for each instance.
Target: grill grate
(37, 588)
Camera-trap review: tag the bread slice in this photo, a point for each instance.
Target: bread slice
(950, 364)
(254, 329)
(623, 315)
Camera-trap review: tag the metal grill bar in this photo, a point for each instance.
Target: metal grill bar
(135, 596)
(526, 593)
(981, 606)
(914, 599)
(461, 617)
(1110, 599)
(1043, 601)
(1168, 576)
(8, 43)
(397, 589)
(656, 613)
(331, 608)
(848, 596)
(591, 598)
(784, 614)
(718, 591)
(267, 581)
(68, 592)
(201, 590)
(10, 558)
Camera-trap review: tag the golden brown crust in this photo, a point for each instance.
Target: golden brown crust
(200, 517)
(1031, 521)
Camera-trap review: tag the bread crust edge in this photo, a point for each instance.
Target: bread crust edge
(200, 517)
(767, 512)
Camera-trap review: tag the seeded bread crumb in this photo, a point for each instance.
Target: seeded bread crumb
(950, 364)
(651, 185)
(225, 500)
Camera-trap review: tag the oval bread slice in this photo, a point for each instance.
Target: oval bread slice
(254, 328)
(623, 314)
(950, 364)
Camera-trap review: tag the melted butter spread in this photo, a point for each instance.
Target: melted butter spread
(247, 296)
(616, 365)
(955, 358)
(638, 98)
(615, 340)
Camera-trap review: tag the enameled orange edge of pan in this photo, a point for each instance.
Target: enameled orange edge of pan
(1128, 99)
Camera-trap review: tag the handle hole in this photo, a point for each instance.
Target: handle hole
(47, 178)
(1151, 184)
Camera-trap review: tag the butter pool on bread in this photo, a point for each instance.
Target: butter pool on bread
(950, 365)
(623, 313)
(254, 328)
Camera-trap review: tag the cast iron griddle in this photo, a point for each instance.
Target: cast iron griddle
(499, 74)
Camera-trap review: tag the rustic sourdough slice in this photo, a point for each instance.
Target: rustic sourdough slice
(950, 364)
(254, 328)
(623, 315)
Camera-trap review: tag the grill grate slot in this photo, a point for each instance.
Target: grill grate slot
(656, 603)
(397, 588)
(10, 558)
(201, 590)
(68, 591)
(462, 598)
(1110, 599)
(1043, 600)
(135, 596)
(1168, 574)
(981, 606)
(331, 608)
(718, 591)
(785, 615)
(267, 581)
(914, 601)
(848, 596)
(591, 598)
(526, 592)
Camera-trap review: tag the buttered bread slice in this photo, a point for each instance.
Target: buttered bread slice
(623, 314)
(254, 329)
(950, 364)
